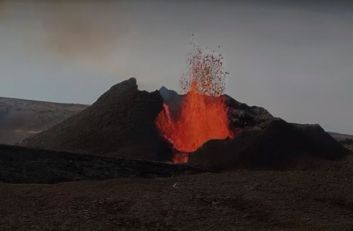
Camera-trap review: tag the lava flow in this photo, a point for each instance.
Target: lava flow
(203, 114)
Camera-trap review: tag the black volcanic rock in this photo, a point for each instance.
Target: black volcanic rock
(242, 116)
(278, 145)
(25, 165)
(120, 124)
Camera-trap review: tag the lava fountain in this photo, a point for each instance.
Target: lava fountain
(203, 114)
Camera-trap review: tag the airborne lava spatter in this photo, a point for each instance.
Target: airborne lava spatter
(203, 113)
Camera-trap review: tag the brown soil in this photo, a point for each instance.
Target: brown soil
(319, 199)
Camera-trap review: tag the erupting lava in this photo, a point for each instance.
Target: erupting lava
(203, 114)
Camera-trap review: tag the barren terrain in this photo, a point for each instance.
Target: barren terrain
(108, 168)
(317, 198)
(21, 118)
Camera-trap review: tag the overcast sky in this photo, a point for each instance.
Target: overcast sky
(292, 57)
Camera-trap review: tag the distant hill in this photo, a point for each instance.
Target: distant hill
(346, 140)
(341, 137)
(20, 118)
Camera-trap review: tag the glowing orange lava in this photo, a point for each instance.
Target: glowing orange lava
(201, 117)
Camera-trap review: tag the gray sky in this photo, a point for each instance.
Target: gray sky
(292, 57)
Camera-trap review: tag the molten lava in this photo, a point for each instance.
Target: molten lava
(203, 114)
(201, 118)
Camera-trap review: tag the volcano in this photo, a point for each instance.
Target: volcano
(121, 123)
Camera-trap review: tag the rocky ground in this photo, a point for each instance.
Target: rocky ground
(319, 198)
(23, 165)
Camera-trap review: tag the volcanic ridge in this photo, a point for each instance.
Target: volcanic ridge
(122, 124)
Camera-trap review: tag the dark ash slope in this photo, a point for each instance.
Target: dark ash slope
(120, 124)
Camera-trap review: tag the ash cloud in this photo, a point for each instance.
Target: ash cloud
(86, 32)
(81, 31)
